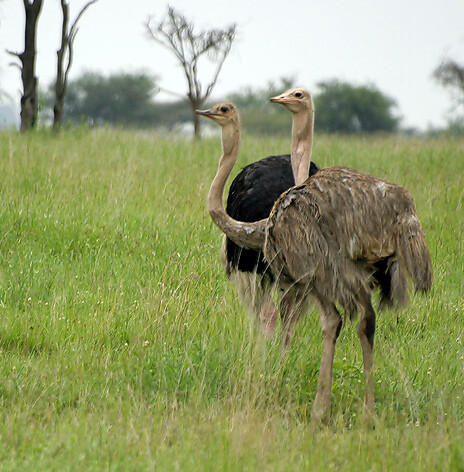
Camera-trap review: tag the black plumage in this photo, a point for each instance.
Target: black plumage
(252, 195)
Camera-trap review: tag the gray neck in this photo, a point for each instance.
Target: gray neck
(248, 235)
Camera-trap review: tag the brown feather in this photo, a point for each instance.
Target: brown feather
(324, 236)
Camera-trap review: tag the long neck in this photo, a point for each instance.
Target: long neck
(302, 143)
(230, 147)
(248, 235)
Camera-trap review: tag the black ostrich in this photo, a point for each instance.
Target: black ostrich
(252, 195)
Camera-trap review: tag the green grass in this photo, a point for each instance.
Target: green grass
(122, 345)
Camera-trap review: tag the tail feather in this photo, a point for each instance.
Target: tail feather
(413, 253)
(391, 281)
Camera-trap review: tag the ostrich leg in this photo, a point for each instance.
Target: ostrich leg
(366, 331)
(331, 322)
(268, 315)
(292, 307)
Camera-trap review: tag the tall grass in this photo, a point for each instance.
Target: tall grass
(123, 347)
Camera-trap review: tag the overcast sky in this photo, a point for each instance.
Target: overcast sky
(394, 44)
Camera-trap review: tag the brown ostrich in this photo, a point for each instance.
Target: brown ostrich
(323, 240)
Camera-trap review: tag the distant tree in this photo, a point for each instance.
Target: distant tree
(450, 75)
(68, 35)
(345, 108)
(177, 34)
(29, 99)
(120, 99)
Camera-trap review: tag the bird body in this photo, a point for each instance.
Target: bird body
(326, 236)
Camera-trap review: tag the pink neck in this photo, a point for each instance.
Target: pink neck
(302, 143)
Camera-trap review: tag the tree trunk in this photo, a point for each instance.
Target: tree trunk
(58, 113)
(60, 79)
(196, 126)
(67, 44)
(29, 101)
(29, 105)
(195, 105)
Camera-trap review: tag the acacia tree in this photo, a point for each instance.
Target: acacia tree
(68, 35)
(177, 34)
(29, 101)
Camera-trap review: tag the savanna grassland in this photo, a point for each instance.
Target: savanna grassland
(123, 346)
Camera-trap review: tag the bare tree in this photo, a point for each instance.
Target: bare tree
(68, 35)
(29, 101)
(450, 75)
(177, 34)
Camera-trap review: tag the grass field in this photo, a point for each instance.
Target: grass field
(123, 347)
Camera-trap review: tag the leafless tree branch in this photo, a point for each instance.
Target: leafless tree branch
(176, 34)
(66, 50)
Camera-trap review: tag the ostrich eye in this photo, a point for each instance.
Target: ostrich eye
(224, 109)
(298, 94)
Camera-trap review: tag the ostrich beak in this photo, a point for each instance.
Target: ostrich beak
(282, 99)
(275, 99)
(208, 113)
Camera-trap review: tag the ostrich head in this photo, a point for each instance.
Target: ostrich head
(299, 102)
(224, 113)
(295, 100)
